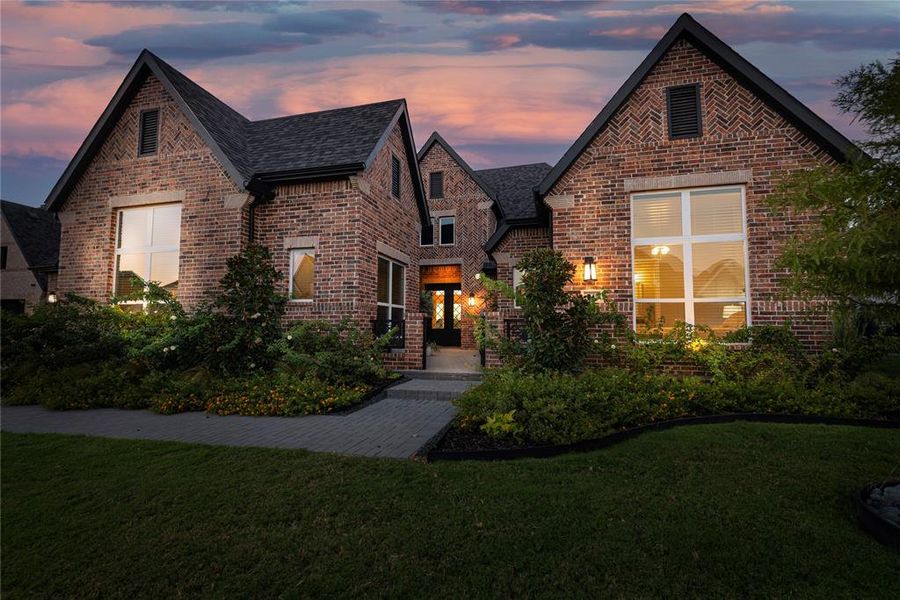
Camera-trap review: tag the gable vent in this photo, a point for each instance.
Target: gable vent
(395, 176)
(149, 135)
(684, 111)
(436, 184)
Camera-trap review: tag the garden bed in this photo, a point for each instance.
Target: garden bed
(458, 444)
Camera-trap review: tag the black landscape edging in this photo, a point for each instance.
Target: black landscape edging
(370, 397)
(621, 436)
(881, 529)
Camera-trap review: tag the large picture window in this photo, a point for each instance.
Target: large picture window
(303, 263)
(391, 293)
(147, 246)
(690, 259)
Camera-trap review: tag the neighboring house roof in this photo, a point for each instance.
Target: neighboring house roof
(36, 233)
(487, 189)
(515, 188)
(318, 145)
(701, 38)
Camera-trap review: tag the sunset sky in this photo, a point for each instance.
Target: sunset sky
(504, 82)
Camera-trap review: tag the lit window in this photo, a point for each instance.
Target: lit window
(303, 262)
(690, 262)
(517, 281)
(147, 246)
(447, 228)
(391, 293)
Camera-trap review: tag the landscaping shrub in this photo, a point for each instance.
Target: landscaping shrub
(285, 396)
(338, 353)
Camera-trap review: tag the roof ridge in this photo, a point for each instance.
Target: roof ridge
(534, 164)
(328, 110)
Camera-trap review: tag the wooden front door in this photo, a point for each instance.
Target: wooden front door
(446, 314)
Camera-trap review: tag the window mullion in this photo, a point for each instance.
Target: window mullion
(688, 257)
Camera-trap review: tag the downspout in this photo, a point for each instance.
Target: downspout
(261, 193)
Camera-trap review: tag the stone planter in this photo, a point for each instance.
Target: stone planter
(878, 511)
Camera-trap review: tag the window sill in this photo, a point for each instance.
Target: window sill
(300, 300)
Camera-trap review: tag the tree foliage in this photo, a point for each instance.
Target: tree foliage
(852, 256)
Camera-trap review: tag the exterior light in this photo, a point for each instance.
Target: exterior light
(51, 297)
(471, 299)
(590, 269)
(659, 250)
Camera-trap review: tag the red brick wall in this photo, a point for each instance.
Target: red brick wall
(739, 132)
(474, 224)
(210, 232)
(394, 222)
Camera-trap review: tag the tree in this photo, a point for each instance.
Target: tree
(558, 323)
(852, 257)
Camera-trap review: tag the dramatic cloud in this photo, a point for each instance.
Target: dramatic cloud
(639, 31)
(502, 7)
(332, 23)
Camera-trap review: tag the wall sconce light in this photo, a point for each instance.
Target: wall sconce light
(471, 299)
(590, 269)
(51, 298)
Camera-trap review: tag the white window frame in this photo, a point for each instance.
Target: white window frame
(149, 249)
(294, 253)
(686, 241)
(390, 304)
(441, 230)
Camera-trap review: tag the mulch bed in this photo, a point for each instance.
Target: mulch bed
(476, 445)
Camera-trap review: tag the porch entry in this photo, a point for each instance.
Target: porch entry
(444, 326)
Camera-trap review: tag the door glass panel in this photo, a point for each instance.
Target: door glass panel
(398, 279)
(718, 269)
(437, 309)
(653, 315)
(721, 317)
(396, 316)
(167, 225)
(716, 211)
(659, 271)
(457, 309)
(133, 228)
(658, 215)
(127, 267)
(383, 277)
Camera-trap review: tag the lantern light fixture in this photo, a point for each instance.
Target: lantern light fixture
(590, 269)
(471, 299)
(51, 298)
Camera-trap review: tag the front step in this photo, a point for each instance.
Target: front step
(430, 389)
(448, 376)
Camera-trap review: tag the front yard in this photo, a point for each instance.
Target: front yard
(714, 511)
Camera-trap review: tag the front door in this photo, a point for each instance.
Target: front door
(446, 314)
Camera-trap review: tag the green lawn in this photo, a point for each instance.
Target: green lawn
(714, 511)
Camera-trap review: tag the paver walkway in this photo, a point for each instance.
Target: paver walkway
(395, 427)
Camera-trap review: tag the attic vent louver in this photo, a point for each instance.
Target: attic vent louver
(149, 134)
(684, 111)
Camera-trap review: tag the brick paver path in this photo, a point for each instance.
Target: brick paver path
(392, 427)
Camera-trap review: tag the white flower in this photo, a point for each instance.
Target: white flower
(290, 337)
(834, 349)
(254, 316)
(252, 365)
(596, 341)
(172, 348)
(172, 318)
(612, 346)
(166, 349)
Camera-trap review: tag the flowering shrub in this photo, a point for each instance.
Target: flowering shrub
(286, 397)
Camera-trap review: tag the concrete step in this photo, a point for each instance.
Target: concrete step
(445, 375)
(429, 389)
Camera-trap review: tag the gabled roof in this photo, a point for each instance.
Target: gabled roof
(36, 233)
(317, 145)
(436, 138)
(831, 140)
(515, 187)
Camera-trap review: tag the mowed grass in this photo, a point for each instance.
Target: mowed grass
(737, 510)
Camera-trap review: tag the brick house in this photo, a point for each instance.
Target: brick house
(661, 200)
(29, 247)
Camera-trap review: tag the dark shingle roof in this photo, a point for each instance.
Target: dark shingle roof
(515, 188)
(342, 136)
(36, 232)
